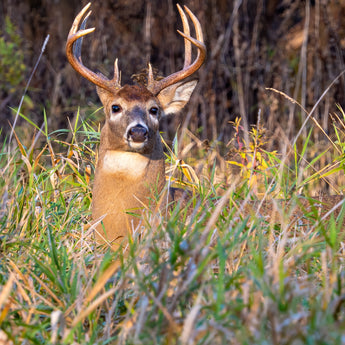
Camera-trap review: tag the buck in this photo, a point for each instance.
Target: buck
(131, 161)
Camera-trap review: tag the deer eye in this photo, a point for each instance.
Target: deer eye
(153, 111)
(115, 108)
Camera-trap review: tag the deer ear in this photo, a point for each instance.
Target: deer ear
(173, 98)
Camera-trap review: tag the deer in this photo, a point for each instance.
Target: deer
(131, 164)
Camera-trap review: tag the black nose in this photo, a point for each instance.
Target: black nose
(138, 133)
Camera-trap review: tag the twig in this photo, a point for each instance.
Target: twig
(26, 89)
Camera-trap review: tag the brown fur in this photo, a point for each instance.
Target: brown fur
(132, 93)
(127, 176)
(131, 160)
(115, 194)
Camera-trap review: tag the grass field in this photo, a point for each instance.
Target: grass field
(215, 275)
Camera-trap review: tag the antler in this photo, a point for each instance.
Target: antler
(155, 86)
(73, 53)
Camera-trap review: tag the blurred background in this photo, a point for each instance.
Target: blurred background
(295, 47)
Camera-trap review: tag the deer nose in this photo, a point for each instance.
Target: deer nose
(138, 133)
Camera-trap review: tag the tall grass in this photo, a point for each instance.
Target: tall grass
(215, 272)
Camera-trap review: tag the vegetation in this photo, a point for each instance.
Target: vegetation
(222, 270)
(212, 275)
(294, 46)
(12, 58)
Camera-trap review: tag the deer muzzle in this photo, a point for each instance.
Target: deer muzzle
(137, 134)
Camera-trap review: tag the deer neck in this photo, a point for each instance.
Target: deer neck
(117, 160)
(125, 182)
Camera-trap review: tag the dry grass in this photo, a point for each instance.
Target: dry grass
(296, 47)
(225, 269)
(215, 275)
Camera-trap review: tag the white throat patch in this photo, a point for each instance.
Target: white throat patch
(130, 163)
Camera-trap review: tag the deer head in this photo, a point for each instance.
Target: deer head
(131, 159)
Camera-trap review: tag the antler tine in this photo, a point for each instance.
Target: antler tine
(197, 25)
(156, 86)
(75, 36)
(150, 79)
(78, 43)
(117, 74)
(187, 43)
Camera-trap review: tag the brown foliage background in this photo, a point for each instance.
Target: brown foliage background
(296, 47)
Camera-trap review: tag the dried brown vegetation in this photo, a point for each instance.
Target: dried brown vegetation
(215, 276)
(296, 47)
